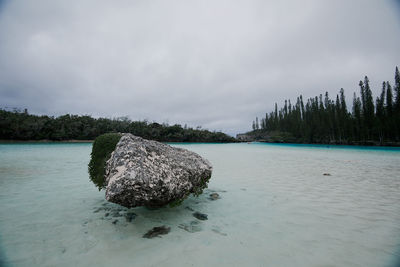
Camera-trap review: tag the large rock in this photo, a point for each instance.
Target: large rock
(148, 173)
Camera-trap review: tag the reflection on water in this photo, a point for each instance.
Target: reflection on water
(273, 207)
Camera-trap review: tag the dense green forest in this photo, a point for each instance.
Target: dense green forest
(20, 125)
(325, 120)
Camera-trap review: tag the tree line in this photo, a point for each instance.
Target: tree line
(324, 120)
(20, 125)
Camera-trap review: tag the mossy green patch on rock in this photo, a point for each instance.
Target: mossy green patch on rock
(197, 191)
(102, 148)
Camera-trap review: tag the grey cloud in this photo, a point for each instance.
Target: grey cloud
(212, 63)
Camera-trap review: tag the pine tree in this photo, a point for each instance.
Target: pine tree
(343, 102)
(257, 125)
(302, 107)
(285, 108)
(357, 117)
(390, 128)
(369, 109)
(389, 100)
(338, 125)
(380, 113)
(363, 130)
(344, 114)
(362, 92)
(397, 90)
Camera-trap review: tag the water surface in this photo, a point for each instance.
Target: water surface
(276, 209)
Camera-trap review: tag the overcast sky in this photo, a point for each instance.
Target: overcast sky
(212, 63)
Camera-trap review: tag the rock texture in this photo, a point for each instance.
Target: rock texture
(148, 173)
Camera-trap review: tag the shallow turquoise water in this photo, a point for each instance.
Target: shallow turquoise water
(276, 209)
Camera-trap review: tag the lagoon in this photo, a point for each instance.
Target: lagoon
(277, 208)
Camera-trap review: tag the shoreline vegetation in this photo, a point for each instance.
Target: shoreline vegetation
(322, 120)
(18, 125)
(45, 141)
(333, 143)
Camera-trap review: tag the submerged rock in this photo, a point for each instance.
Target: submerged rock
(200, 216)
(130, 216)
(147, 173)
(157, 231)
(214, 196)
(192, 227)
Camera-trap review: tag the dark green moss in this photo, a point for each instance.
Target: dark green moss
(197, 191)
(177, 202)
(103, 145)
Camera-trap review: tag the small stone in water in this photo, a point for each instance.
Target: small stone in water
(214, 196)
(327, 174)
(193, 227)
(130, 216)
(157, 231)
(200, 216)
